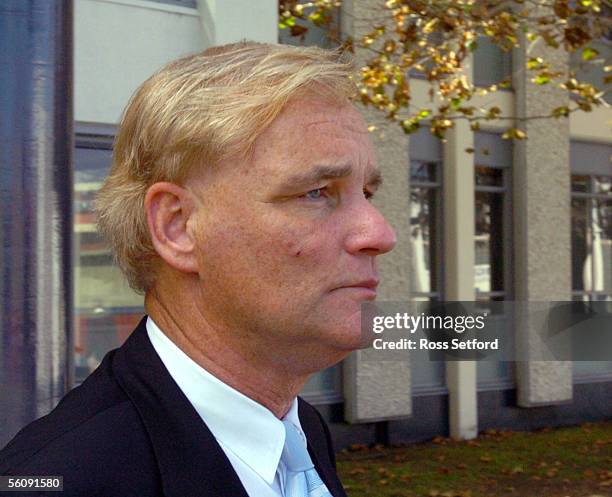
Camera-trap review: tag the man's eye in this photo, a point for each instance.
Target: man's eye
(368, 195)
(315, 194)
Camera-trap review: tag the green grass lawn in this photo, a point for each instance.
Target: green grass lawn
(574, 462)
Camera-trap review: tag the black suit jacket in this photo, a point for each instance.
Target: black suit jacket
(128, 430)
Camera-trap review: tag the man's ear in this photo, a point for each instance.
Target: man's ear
(169, 207)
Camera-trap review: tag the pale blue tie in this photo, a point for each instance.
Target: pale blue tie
(302, 477)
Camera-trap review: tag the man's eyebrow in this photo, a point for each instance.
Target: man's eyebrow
(319, 173)
(322, 172)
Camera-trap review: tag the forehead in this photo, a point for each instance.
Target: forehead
(316, 130)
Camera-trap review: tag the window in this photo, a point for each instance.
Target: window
(492, 217)
(591, 237)
(324, 387)
(106, 309)
(593, 71)
(315, 36)
(492, 65)
(425, 216)
(591, 221)
(192, 4)
(428, 377)
(493, 247)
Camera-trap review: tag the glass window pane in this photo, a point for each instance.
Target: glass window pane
(422, 171)
(602, 246)
(491, 64)
(182, 3)
(91, 166)
(315, 35)
(593, 71)
(326, 383)
(580, 183)
(603, 185)
(491, 150)
(106, 309)
(433, 39)
(489, 176)
(588, 158)
(427, 374)
(423, 239)
(425, 147)
(489, 239)
(579, 242)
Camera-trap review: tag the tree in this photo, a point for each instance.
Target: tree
(436, 38)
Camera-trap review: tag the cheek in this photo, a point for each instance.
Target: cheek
(293, 247)
(309, 243)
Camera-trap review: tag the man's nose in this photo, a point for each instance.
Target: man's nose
(370, 233)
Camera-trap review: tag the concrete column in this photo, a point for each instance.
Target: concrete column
(459, 269)
(36, 319)
(375, 390)
(542, 247)
(228, 21)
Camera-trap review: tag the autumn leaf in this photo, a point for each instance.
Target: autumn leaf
(410, 126)
(562, 111)
(589, 53)
(514, 133)
(541, 79)
(437, 40)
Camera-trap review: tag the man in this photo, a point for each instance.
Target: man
(239, 203)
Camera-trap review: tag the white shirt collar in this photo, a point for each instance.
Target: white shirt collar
(242, 425)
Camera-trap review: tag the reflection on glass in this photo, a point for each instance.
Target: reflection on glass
(489, 261)
(580, 248)
(580, 183)
(106, 309)
(308, 34)
(593, 71)
(324, 384)
(603, 185)
(489, 176)
(491, 63)
(602, 244)
(423, 239)
(592, 237)
(427, 374)
(422, 171)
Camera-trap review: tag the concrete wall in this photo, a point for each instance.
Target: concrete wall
(541, 204)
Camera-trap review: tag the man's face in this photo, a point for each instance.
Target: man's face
(287, 241)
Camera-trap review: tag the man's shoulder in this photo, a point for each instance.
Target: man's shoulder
(94, 438)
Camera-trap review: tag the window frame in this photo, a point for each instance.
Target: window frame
(500, 159)
(589, 169)
(429, 151)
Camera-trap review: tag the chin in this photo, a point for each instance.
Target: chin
(346, 340)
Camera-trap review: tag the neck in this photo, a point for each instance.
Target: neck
(246, 363)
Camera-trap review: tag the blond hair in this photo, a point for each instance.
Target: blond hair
(196, 112)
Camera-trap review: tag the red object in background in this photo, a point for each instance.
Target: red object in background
(125, 325)
(80, 337)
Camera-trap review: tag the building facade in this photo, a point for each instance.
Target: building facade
(527, 220)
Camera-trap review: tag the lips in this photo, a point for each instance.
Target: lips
(370, 283)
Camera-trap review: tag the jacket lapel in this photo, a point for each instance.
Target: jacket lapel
(191, 462)
(317, 448)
